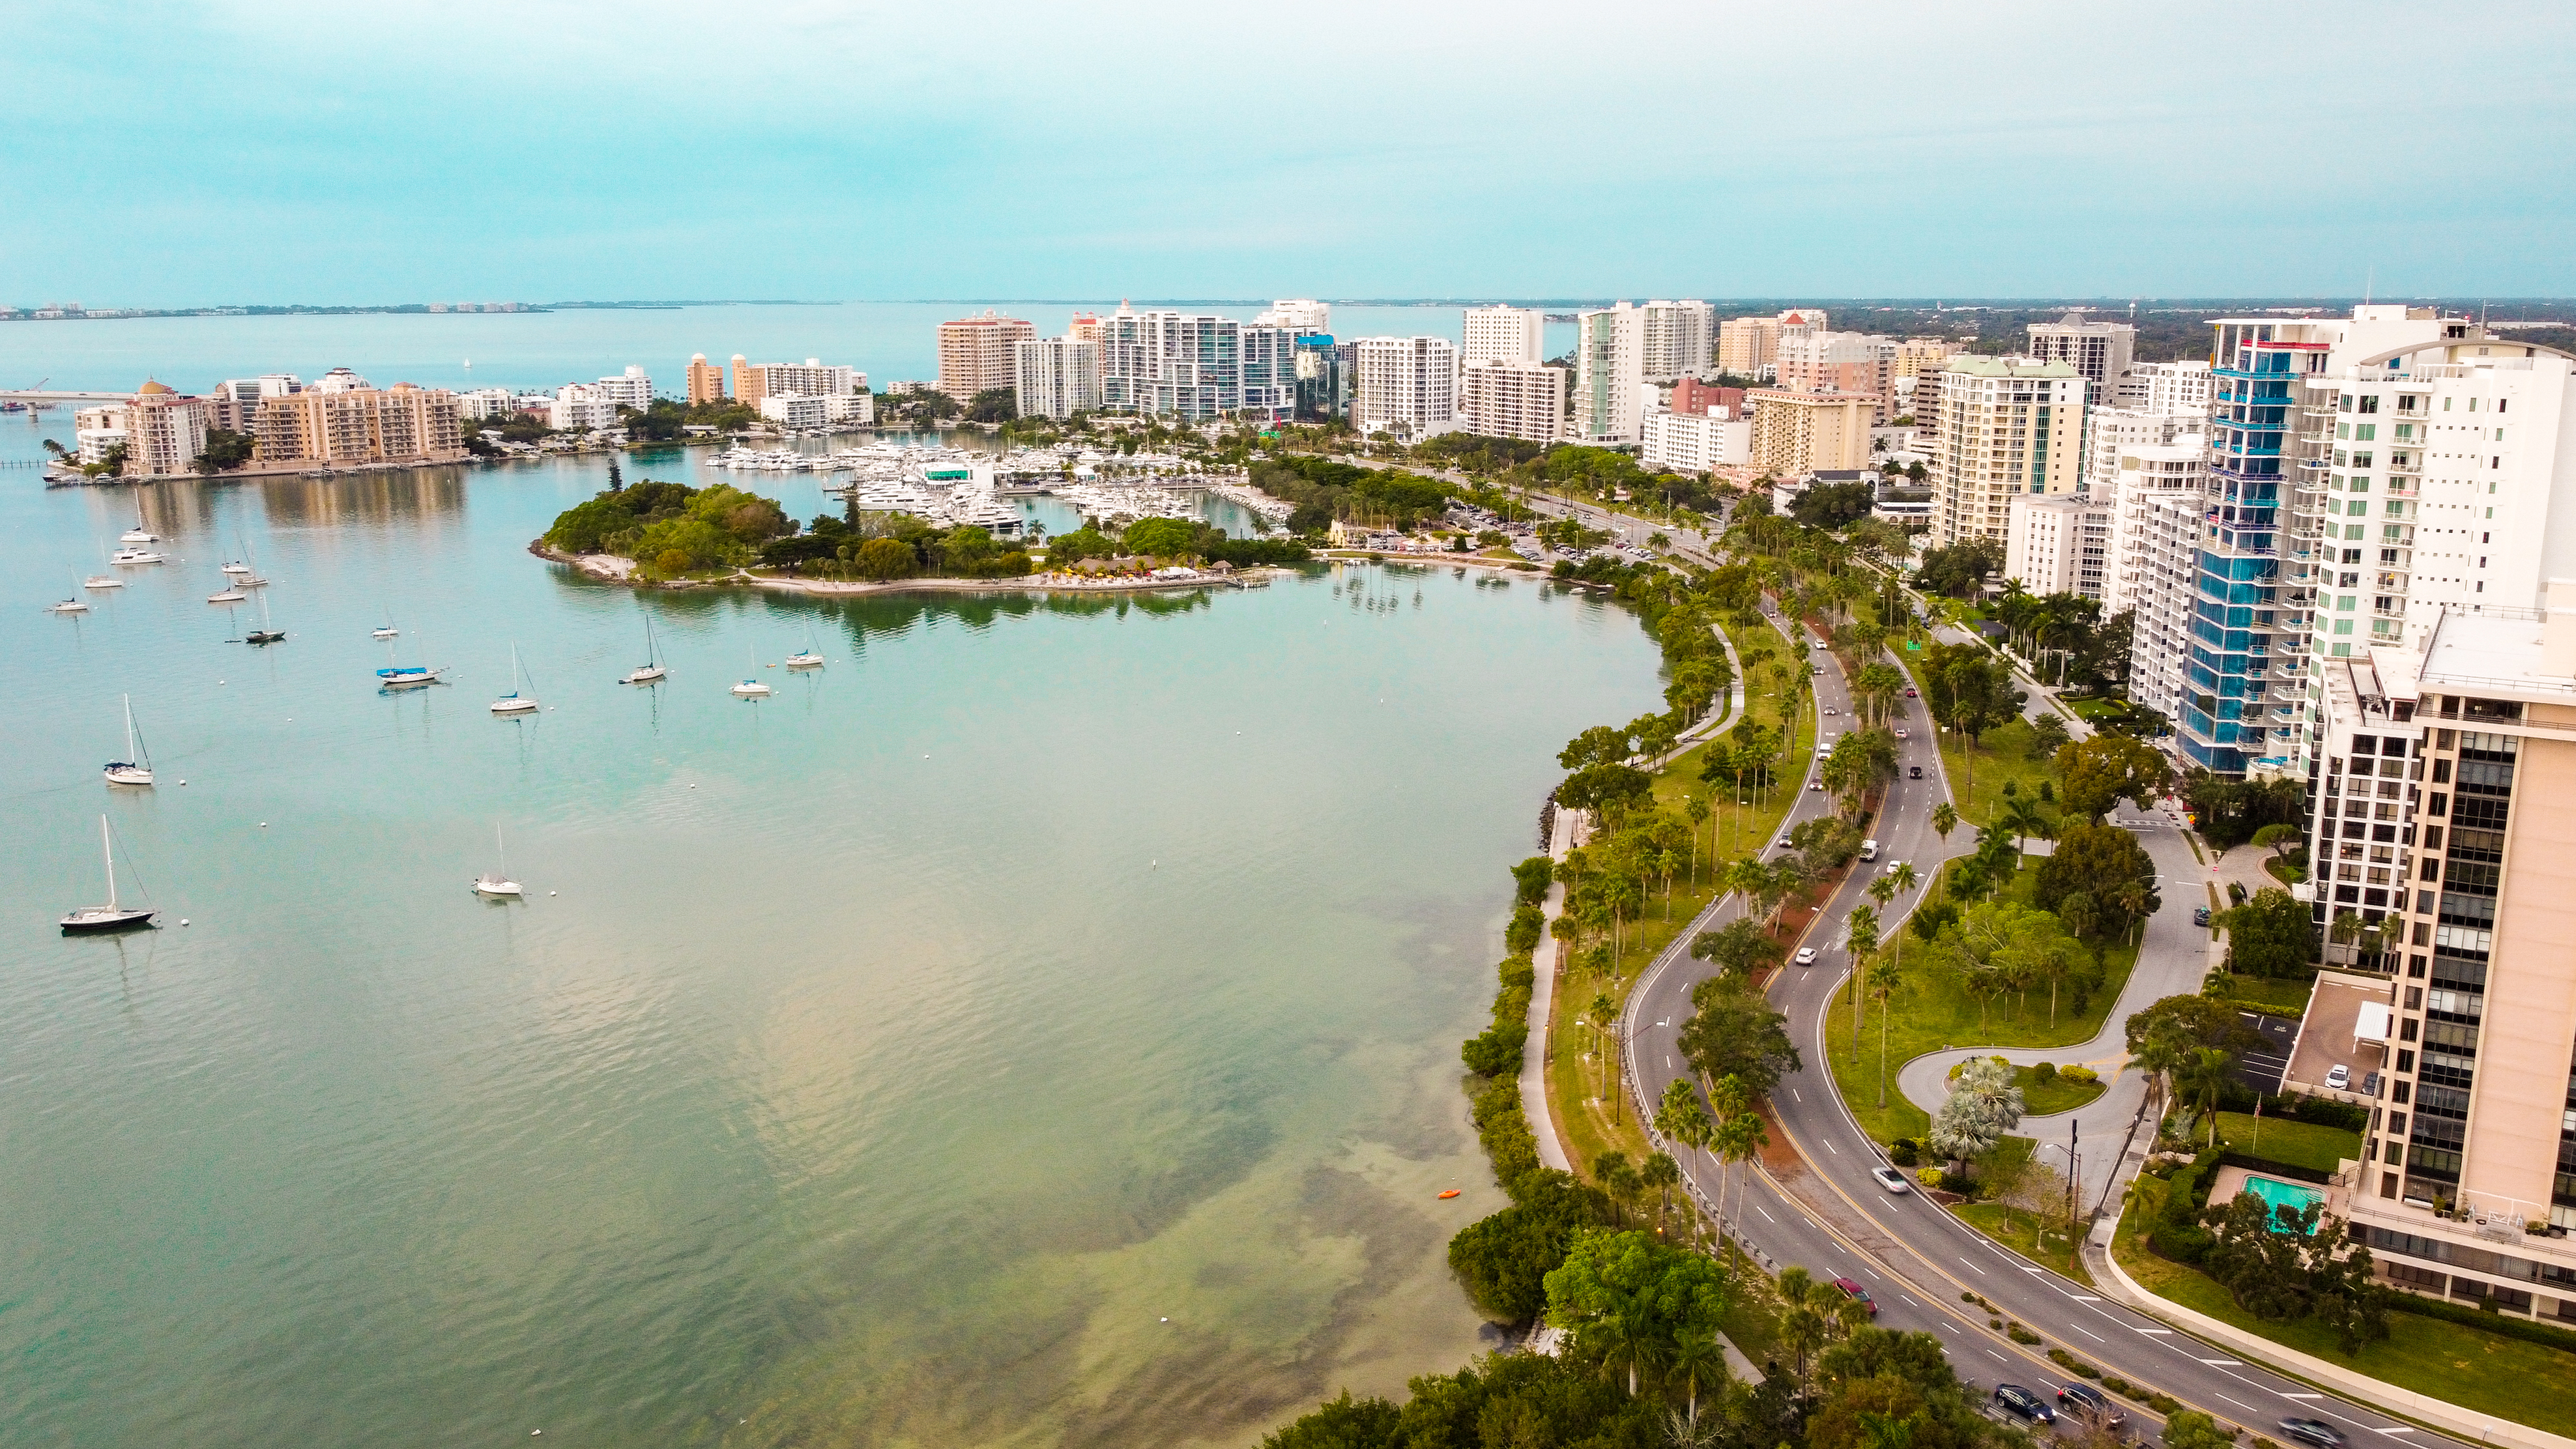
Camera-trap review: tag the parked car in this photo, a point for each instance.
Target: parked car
(1891, 1179)
(1914, 772)
(2338, 1077)
(2091, 1404)
(2312, 1431)
(1806, 955)
(2200, 915)
(2022, 1403)
(1857, 1294)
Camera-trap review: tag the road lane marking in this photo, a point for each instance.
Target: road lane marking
(2083, 1297)
(2224, 1362)
(2088, 1333)
(1910, 1303)
(1972, 1265)
(2401, 1429)
(1999, 1358)
(2150, 1330)
(1794, 1093)
(2299, 1396)
(1766, 1214)
(1830, 1147)
(2240, 1403)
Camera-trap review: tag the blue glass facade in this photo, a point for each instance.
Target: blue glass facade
(2253, 378)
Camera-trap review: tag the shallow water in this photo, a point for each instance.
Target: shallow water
(1039, 1026)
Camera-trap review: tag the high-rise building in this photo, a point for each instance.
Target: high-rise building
(1509, 398)
(1411, 382)
(1697, 442)
(1798, 433)
(2164, 590)
(1196, 365)
(401, 424)
(1297, 314)
(1322, 369)
(747, 388)
(1675, 341)
(161, 430)
(810, 378)
(1058, 377)
(1690, 396)
(1609, 376)
(2007, 426)
(632, 389)
(1920, 357)
(2141, 474)
(706, 382)
(2058, 543)
(1503, 334)
(2166, 387)
(1812, 359)
(1085, 327)
(2099, 352)
(582, 407)
(2111, 434)
(975, 353)
(1748, 346)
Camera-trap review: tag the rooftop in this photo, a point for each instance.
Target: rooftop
(1975, 366)
(2493, 651)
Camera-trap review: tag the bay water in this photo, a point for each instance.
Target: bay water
(1039, 1026)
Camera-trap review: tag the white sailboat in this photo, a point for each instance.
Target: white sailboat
(809, 658)
(246, 574)
(496, 882)
(652, 670)
(102, 581)
(385, 630)
(264, 634)
(138, 533)
(751, 687)
(404, 676)
(72, 605)
(112, 916)
(136, 767)
(514, 702)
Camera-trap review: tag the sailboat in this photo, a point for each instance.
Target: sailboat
(263, 634)
(497, 883)
(227, 594)
(809, 659)
(102, 581)
(73, 605)
(385, 630)
(514, 702)
(652, 670)
(136, 767)
(751, 687)
(112, 916)
(138, 533)
(245, 575)
(239, 569)
(403, 676)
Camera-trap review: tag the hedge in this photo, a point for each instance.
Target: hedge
(1496, 1052)
(2269, 1168)
(2527, 1329)
(2178, 1234)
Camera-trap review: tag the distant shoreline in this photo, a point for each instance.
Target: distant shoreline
(612, 569)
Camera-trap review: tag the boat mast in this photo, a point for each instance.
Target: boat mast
(108, 845)
(129, 727)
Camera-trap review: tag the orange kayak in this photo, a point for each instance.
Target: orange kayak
(1453, 1192)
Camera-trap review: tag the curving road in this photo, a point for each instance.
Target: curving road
(1915, 1258)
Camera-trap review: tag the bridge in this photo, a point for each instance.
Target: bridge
(34, 397)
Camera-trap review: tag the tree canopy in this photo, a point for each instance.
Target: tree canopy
(1734, 1032)
(2097, 773)
(2270, 935)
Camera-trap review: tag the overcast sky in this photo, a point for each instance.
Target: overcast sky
(185, 154)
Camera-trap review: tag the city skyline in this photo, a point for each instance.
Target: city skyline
(2120, 161)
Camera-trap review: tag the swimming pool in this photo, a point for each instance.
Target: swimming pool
(2278, 1195)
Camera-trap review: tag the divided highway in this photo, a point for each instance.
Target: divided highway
(1916, 1259)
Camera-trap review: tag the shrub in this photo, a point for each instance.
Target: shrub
(2080, 1074)
(2018, 1334)
(1905, 1152)
(2044, 1072)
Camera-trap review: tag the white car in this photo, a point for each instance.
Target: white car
(1891, 866)
(1902, 735)
(1806, 956)
(1891, 1179)
(2338, 1077)
(1829, 709)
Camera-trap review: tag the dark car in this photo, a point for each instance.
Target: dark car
(2090, 1404)
(1857, 1294)
(2022, 1403)
(2200, 915)
(2312, 1431)
(1909, 694)
(1914, 772)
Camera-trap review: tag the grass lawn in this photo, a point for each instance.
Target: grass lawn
(2528, 1383)
(2019, 1231)
(2057, 1094)
(1931, 1013)
(2278, 997)
(2300, 1144)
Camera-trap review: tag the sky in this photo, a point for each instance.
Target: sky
(188, 154)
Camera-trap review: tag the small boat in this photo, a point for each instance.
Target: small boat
(1453, 1192)
(102, 581)
(136, 556)
(496, 884)
(239, 569)
(68, 606)
(263, 634)
(514, 702)
(136, 767)
(404, 676)
(808, 659)
(91, 920)
(138, 533)
(386, 630)
(227, 595)
(751, 687)
(651, 671)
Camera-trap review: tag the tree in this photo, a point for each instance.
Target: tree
(1983, 1105)
(1884, 979)
(2091, 860)
(1944, 820)
(1627, 1298)
(2047, 733)
(993, 405)
(1603, 788)
(1697, 1355)
(2279, 837)
(2201, 1079)
(1530, 879)
(2095, 774)
(1502, 1261)
(1659, 1174)
(2269, 935)
(1740, 946)
(1861, 938)
(1161, 538)
(2281, 1264)
(1343, 1423)
(225, 450)
(2191, 1429)
(1734, 1032)
(2021, 818)
(885, 558)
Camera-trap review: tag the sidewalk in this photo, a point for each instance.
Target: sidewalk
(1545, 958)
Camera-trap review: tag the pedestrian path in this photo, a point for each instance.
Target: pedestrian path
(1551, 1152)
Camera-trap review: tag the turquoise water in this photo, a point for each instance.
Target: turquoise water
(1038, 1027)
(2278, 1196)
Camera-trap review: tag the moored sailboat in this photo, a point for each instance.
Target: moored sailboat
(114, 916)
(136, 767)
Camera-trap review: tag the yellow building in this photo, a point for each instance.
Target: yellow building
(978, 354)
(706, 381)
(1796, 433)
(400, 424)
(2005, 426)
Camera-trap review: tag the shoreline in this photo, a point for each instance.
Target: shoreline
(609, 568)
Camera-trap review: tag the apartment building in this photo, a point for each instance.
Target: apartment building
(630, 389)
(1697, 442)
(1750, 346)
(161, 431)
(2164, 589)
(1406, 382)
(706, 382)
(1321, 368)
(1609, 376)
(1698, 398)
(2165, 387)
(582, 407)
(2141, 477)
(98, 431)
(2007, 426)
(2111, 434)
(810, 378)
(1506, 398)
(2058, 543)
(235, 401)
(1197, 365)
(347, 427)
(1297, 315)
(1797, 433)
(975, 353)
(486, 403)
(1503, 334)
(2437, 821)
(1057, 377)
(1813, 359)
(1085, 327)
(2100, 352)
(1919, 357)
(802, 411)
(1675, 341)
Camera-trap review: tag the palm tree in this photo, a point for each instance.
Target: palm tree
(1885, 1431)
(2202, 1077)
(1944, 820)
(2134, 898)
(1601, 1009)
(1698, 1353)
(1884, 977)
(1861, 928)
(2021, 818)
(1742, 1140)
(1661, 1173)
